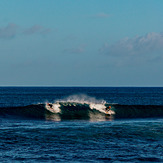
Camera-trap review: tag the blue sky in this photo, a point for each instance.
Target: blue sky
(81, 42)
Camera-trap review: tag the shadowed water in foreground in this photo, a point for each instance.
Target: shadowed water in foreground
(123, 140)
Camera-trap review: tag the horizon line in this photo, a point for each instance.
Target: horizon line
(80, 86)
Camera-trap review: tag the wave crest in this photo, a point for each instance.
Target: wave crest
(83, 107)
(77, 101)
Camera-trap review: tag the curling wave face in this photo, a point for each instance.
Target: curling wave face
(83, 108)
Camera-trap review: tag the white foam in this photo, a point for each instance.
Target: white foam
(99, 107)
(84, 99)
(80, 99)
(54, 109)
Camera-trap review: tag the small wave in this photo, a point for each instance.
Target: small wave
(83, 107)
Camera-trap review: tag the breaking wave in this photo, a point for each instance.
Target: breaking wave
(82, 107)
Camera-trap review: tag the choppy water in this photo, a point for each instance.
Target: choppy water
(99, 139)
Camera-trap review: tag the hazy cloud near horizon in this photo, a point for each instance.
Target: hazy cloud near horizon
(9, 31)
(76, 50)
(36, 29)
(142, 48)
(12, 30)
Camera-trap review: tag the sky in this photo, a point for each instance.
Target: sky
(81, 43)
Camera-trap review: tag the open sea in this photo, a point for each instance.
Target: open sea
(71, 124)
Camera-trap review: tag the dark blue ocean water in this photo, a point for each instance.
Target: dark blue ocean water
(18, 96)
(132, 139)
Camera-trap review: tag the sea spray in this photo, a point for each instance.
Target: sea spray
(78, 99)
(83, 99)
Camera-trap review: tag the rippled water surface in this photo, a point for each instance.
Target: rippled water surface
(26, 135)
(83, 141)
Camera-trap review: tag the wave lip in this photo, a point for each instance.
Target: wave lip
(74, 110)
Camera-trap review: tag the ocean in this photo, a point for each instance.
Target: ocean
(71, 124)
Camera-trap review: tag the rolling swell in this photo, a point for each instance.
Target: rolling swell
(70, 110)
(138, 111)
(30, 111)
